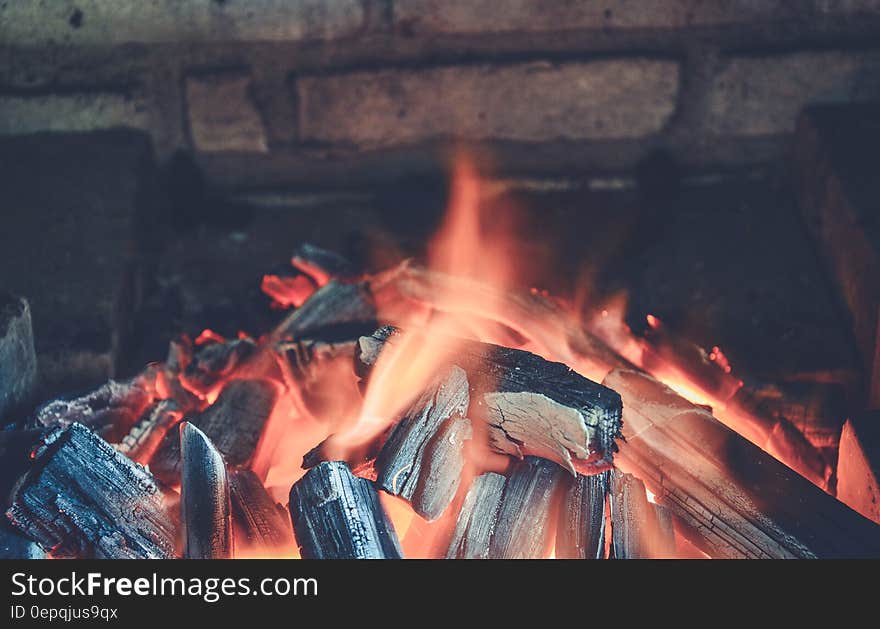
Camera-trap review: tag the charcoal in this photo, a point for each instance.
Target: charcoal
(204, 497)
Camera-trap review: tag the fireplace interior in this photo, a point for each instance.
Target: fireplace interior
(421, 279)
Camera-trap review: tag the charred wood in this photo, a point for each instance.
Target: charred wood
(531, 406)
(144, 438)
(234, 423)
(84, 499)
(509, 518)
(258, 521)
(204, 497)
(337, 515)
(858, 465)
(734, 499)
(110, 410)
(18, 361)
(423, 457)
(639, 529)
(335, 311)
(320, 264)
(580, 532)
(214, 362)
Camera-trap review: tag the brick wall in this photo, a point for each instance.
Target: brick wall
(286, 91)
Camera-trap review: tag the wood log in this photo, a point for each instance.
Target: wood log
(550, 328)
(144, 438)
(322, 265)
(580, 532)
(530, 405)
(423, 458)
(84, 499)
(512, 517)
(337, 515)
(215, 362)
(18, 361)
(640, 529)
(234, 423)
(258, 521)
(205, 507)
(476, 519)
(335, 311)
(110, 410)
(735, 500)
(858, 465)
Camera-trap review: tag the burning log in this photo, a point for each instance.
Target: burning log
(204, 497)
(640, 530)
(234, 423)
(110, 410)
(337, 515)
(423, 458)
(303, 361)
(258, 521)
(734, 500)
(144, 438)
(18, 362)
(531, 406)
(476, 519)
(336, 309)
(545, 323)
(84, 499)
(858, 465)
(322, 265)
(509, 518)
(215, 362)
(580, 532)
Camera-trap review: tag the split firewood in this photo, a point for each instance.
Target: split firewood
(18, 361)
(335, 311)
(531, 406)
(423, 458)
(258, 521)
(639, 529)
(733, 499)
(858, 465)
(144, 438)
(337, 515)
(476, 519)
(554, 331)
(214, 362)
(205, 507)
(234, 423)
(580, 532)
(82, 498)
(509, 518)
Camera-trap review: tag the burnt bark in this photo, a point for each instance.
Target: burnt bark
(214, 362)
(734, 499)
(204, 497)
(337, 515)
(84, 499)
(144, 438)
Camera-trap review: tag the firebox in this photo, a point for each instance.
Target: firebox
(366, 279)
